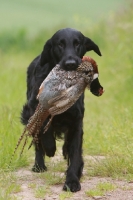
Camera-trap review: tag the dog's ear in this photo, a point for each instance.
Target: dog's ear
(90, 45)
(46, 53)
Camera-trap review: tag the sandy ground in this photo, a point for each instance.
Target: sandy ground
(26, 178)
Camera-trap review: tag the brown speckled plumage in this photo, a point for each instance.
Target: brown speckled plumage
(57, 93)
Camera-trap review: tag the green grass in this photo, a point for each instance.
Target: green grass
(41, 191)
(65, 195)
(11, 97)
(8, 186)
(36, 15)
(108, 123)
(101, 189)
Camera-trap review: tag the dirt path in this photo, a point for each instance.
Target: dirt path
(35, 187)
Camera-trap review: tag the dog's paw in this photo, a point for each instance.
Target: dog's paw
(73, 186)
(38, 169)
(50, 152)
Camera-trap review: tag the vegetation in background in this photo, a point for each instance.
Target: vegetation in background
(101, 189)
(36, 15)
(108, 122)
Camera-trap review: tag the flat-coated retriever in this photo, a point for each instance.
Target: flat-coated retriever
(66, 47)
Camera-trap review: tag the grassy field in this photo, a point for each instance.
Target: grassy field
(108, 122)
(35, 15)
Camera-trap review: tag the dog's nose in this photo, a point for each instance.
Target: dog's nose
(70, 64)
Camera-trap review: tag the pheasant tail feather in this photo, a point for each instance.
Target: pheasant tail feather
(17, 145)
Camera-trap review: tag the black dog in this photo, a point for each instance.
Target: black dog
(66, 47)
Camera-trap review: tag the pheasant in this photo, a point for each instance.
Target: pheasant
(58, 92)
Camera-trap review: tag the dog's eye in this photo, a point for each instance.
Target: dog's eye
(76, 43)
(61, 45)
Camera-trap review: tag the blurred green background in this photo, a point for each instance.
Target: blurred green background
(25, 25)
(37, 15)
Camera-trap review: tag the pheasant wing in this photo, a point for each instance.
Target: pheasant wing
(64, 101)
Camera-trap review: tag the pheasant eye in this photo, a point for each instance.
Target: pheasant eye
(85, 72)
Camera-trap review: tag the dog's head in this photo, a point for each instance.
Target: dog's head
(67, 47)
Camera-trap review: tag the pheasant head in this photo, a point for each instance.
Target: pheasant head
(95, 86)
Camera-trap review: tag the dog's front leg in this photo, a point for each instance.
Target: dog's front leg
(46, 146)
(39, 165)
(74, 150)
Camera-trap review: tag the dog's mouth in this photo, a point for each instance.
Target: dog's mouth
(70, 64)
